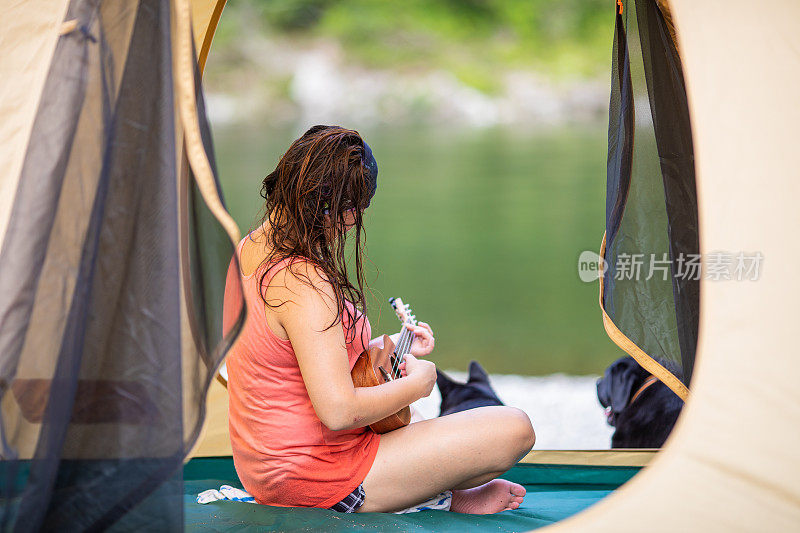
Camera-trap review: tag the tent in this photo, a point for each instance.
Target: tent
(114, 254)
(115, 241)
(649, 295)
(730, 464)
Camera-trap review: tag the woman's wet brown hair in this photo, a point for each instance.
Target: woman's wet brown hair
(321, 179)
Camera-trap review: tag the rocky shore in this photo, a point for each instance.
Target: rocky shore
(289, 81)
(564, 409)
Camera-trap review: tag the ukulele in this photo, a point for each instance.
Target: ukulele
(376, 366)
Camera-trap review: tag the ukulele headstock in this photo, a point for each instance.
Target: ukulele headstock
(403, 311)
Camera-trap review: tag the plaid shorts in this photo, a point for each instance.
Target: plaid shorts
(352, 501)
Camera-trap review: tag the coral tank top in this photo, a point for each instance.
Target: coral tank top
(284, 455)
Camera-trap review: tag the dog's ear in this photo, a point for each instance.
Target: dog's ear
(604, 390)
(444, 382)
(623, 375)
(477, 374)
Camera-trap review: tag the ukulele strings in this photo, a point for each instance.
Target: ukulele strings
(398, 351)
(403, 345)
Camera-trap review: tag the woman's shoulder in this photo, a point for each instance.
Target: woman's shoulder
(293, 278)
(285, 277)
(255, 256)
(300, 274)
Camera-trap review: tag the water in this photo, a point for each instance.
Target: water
(479, 230)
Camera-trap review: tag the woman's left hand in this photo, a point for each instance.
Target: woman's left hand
(423, 339)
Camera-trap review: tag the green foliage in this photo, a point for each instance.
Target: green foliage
(293, 15)
(474, 39)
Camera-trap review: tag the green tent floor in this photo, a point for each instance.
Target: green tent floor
(554, 493)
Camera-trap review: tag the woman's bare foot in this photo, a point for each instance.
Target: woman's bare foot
(492, 497)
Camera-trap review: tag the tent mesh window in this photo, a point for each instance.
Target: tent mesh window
(112, 286)
(651, 281)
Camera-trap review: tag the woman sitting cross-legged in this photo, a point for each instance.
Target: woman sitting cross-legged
(298, 426)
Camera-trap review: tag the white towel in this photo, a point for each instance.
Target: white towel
(225, 492)
(440, 502)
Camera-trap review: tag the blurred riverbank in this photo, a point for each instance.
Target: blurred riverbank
(321, 74)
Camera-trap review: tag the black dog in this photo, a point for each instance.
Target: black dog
(643, 413)
(476, 392)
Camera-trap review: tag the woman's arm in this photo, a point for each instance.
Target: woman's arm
(322, 356)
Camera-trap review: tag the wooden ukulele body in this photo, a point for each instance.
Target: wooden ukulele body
(365, 373)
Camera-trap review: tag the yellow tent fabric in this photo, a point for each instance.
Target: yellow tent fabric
(29, 34)
(101, 124)
(215, 441)
(31, 29)
(731, 464)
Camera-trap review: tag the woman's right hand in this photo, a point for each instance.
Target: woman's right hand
(421, 372)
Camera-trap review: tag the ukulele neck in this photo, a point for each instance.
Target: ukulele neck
(403, 344)
(401, 348)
